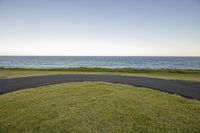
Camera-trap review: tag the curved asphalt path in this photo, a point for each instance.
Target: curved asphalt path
(183, 88)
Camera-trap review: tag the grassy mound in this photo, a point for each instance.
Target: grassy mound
(97, 107)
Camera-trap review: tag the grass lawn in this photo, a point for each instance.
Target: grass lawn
(97, 107)
(190, 75)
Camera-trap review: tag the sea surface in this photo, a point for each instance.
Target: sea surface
(100, 61)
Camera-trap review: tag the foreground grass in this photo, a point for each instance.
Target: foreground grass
(97, 107)
(190, 75)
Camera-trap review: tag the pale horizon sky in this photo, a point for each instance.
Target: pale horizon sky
(100, 27)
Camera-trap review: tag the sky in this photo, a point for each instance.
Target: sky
(100, 27)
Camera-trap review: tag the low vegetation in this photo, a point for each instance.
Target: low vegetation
(129, 70)
(97, 107)
(190, 75)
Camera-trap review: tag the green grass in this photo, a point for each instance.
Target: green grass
(190, 75)
(97, 107)
(129, 70)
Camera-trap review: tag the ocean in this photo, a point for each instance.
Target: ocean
(100, 61)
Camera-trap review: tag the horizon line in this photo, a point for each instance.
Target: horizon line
(109, 55)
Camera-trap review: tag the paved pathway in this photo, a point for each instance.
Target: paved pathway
(183, 88)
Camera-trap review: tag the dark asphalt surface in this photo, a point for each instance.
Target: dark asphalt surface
(183, 88)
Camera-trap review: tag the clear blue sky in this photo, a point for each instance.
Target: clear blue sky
(100, 27)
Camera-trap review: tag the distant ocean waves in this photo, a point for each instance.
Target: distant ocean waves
(96, 61)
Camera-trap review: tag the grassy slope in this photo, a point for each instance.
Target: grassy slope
(97, 107)
(191, 75)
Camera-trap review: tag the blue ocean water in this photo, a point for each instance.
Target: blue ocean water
(99, 61)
